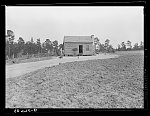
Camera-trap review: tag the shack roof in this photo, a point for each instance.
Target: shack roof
(83, 39)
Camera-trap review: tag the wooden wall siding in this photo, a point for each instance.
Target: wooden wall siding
(69, 46)
(90, 52)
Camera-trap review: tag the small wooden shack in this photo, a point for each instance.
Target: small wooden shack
(78, 45)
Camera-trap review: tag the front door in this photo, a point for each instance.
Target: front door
(80, 49)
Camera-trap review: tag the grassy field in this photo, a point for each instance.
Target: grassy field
(103, 83)
(33, 59)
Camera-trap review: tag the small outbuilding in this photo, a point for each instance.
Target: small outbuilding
(78, 45)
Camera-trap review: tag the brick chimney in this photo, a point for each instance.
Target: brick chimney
(92, 36)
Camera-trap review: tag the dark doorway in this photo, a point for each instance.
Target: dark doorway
(80, 49)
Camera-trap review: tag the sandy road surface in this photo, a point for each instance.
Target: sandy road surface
(23, 68)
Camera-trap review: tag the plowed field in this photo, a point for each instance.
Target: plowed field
(102, 83)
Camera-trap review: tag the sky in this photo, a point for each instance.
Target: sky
(118, 24)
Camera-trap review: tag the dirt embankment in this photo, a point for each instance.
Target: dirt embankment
(104, 83)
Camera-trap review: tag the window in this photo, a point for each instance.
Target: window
(87, 48)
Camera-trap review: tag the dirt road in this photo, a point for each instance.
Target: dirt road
(23, 68)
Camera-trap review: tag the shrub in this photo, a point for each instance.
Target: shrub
(74, 50)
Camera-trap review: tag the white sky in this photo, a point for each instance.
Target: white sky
(117, 24)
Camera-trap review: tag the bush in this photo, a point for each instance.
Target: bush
(74, 50)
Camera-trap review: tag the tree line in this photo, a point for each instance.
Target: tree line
(127, 46)
(30, 48)
(51, 48)
(103, 47)
(107, 47)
